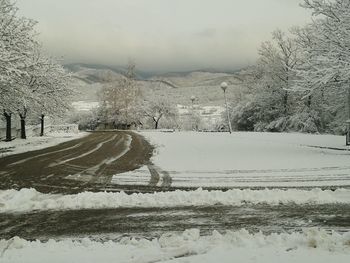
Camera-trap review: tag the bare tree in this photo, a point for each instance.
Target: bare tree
(159, 108)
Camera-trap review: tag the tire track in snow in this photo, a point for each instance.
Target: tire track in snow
(167, 180)
(114, 157)
(154, 175)
(98, 146)
(263, 170)
(95, 173)
(45, 154)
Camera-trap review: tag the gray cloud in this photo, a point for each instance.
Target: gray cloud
(208, 32)
(161, 34)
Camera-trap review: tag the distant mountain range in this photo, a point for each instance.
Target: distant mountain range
(92, 73)
(88, 79)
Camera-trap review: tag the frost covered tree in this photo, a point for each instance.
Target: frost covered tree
(268, 101)
(159, 108)
(120, 101)
(29, 81)
(277, 60)
(324, 74)
(328, 58)
(48, 88)
(16, 48)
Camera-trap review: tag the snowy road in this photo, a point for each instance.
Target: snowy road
(75, 166)
(112, 224)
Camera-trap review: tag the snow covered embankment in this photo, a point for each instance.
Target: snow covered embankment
(29, 199)
(309, 246)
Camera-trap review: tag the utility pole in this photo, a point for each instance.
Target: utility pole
(193, 98)
(224, 87)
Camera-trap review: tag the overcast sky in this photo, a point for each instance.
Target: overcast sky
(165, 35)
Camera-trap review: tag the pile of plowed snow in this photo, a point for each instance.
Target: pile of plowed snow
(26, 200)
(309, 246)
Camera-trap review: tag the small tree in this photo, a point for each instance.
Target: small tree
(159, 108)
(120, 100)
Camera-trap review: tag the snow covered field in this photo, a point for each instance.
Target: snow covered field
(245, 160)
(36, 143)
(309, 246)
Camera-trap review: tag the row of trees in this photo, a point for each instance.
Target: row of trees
(302, 78)
(30, 82)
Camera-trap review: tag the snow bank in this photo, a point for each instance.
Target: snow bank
(36, 143)
(309, 246)
(29, 199)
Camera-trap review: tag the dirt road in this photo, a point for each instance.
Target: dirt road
(85, 164)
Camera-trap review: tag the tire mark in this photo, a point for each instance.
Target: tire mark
(98, 146)
(167, 180)
(316, 169)
(95, 174)
(154, 175)
(44, 154)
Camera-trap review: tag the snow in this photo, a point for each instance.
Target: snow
(36, 143)
(311, 245)
(210, 115)
(85, 105)
(246, 160)
(204, 111)
(26, 200)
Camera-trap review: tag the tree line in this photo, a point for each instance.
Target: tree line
(301, 81)
(30, 81)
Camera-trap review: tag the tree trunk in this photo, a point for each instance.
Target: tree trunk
(23, 123)
(8, 126)
(23, 127)
(349, 103)
(285, 102)
(156, 121)
(309, 101)
(42, 124)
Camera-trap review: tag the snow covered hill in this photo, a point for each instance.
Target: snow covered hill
(205, 86)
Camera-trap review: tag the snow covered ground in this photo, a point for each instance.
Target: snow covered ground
(242, 159)
(205, 159)
(85, 105)
(36, 143)
(26, 200)
(309, 246)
